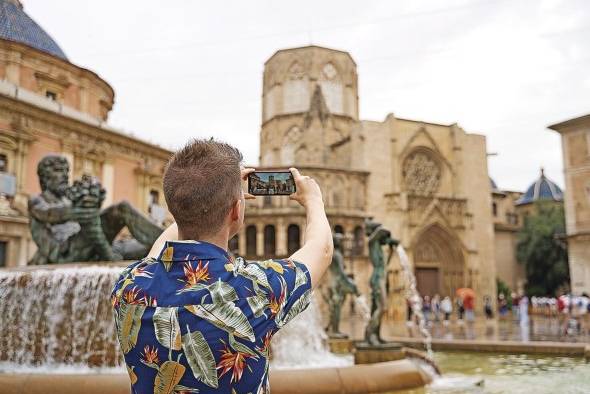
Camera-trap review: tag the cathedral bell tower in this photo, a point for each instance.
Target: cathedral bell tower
(309, 106)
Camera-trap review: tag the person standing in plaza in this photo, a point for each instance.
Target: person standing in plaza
(488, 307)
(447, 308)
(193, 318)
(469, 305)
(460, 309)
(523, 309)
(436, 307)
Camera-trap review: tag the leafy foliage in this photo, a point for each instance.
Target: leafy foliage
(542, 251)
(503, 288)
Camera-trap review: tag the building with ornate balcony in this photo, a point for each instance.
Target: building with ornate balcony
(50, 105)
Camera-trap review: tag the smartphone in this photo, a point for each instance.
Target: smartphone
(271, 183)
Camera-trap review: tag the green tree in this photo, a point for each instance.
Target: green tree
(542, 250)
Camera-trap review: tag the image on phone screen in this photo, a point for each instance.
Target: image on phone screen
(271, 183)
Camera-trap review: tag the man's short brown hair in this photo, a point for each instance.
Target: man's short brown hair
(201, 182)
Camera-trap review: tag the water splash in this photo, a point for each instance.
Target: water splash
(415, 299)
(57, 317)
(303, 344)
(362, 307)
(60, 319)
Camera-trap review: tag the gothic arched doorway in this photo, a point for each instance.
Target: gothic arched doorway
(438, 262)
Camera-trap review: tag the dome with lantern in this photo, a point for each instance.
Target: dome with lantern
(543, 189)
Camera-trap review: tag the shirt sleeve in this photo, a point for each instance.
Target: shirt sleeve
(290, 282)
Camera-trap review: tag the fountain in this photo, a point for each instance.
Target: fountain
(57, 323)
(58, 331)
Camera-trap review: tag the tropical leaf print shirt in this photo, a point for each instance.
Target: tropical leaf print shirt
(196, 320)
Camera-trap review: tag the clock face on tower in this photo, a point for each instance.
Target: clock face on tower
(421, 174)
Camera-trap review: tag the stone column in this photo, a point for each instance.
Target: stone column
(22, 253)
(242, 241)
(108, 182)
(281, 237)
(259, 240)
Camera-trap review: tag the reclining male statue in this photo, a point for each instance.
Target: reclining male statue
(68, 225)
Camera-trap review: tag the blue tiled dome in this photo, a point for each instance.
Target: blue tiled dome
(542, 189)
(16, 25)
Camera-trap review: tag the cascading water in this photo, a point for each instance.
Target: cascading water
(415, 300)
(303, 343)
(58, 318)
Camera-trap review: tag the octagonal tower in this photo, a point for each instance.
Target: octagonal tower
(310, 104)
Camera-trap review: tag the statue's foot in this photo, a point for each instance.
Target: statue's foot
(373, 340)
(337, 335)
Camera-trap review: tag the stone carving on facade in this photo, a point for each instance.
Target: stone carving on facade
(317, 108)
(421, 174)
(68, 225)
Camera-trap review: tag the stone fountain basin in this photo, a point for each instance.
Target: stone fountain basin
(357, 379)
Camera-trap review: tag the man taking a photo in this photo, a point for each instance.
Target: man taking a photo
(190, 317)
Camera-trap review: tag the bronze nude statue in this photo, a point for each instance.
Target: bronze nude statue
(340, 286)
(68, 225)
(378, 237)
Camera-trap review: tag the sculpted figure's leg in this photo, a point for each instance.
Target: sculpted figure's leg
(117, 216)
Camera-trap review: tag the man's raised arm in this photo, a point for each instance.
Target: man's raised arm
(316, 252)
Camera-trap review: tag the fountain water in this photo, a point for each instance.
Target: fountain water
(362, 306)
(303, 343)
(58, 318)
(414, 296)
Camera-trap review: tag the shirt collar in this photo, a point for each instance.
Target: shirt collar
(190, 250)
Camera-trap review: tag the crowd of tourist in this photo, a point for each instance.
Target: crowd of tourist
(572, 311)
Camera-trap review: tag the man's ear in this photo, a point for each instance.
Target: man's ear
(236, 210)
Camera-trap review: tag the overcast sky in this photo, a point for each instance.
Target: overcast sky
(180, 68)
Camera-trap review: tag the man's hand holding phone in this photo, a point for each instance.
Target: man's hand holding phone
(308, 191)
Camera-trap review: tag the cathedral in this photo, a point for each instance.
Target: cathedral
(428, 183)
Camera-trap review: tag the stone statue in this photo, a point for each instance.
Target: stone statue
(378, 237)
(68, 225)
(340, 285)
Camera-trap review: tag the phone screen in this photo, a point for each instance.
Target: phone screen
(271, 183)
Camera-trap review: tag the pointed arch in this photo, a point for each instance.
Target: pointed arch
(411, 145)
(330, 82)
(439, 261)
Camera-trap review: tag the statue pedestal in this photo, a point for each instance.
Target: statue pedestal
(370, 354)
(341, 345)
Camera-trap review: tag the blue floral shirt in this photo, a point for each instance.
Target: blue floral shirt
(197, 320)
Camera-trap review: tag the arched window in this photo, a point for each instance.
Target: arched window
(293, 238)
(251, 241)
(358, 241)
(233, 245)
(495, 209)
(331, 88)
(270, 245)
(295, 90)
(339, 229)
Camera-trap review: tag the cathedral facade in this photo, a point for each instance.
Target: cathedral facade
(428, 183)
